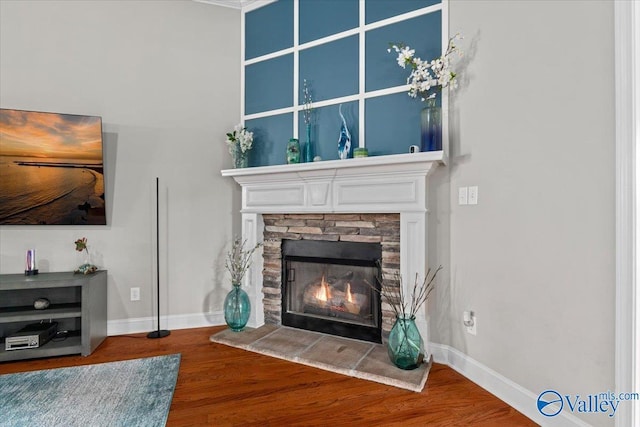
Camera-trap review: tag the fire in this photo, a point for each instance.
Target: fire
(323, 293)
(348, 296)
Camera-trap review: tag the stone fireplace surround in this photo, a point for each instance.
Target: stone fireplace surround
(387, 194)
(369, 228)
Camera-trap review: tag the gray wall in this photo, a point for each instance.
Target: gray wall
(533, 127)
(164, 76)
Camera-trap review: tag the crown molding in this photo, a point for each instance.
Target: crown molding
(234, 4)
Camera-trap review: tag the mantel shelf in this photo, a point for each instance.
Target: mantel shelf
(399, 160)
(392, 183)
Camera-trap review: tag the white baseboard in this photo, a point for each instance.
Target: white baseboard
(171, 322)
(503, 388)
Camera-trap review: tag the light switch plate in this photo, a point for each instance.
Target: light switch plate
(463, 195)
(473, 195)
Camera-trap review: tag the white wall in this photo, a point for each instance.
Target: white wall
(533, 127)
(164, 77)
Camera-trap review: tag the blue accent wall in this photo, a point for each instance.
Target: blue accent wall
(392, 124)
(269, 29)
(270, 138)
(325, 129)
(321, 18)
(422, 33)
(332, 70)
(377, 10)
(268, 85)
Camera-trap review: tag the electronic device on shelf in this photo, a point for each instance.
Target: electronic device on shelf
(31, 336)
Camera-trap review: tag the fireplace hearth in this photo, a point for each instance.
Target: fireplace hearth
(331, 287)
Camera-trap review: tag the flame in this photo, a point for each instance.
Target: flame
(323, 294)
(348, 293)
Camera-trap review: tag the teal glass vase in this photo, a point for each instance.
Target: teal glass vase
(405, 346)
(237, 308)
(309, 152)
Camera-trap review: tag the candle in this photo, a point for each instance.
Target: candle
(30, 265)
(360, 152)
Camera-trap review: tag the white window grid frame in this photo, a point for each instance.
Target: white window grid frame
(362, 94)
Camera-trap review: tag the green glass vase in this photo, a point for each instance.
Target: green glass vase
(293, 151)
(405, 346)
(237, 308)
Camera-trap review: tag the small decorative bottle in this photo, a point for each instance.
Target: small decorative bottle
(293, 151)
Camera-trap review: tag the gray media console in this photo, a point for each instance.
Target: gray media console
(78, 305)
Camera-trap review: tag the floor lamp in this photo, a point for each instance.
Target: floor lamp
(158, 333)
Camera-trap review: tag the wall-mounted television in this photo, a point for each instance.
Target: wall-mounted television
(51, 169)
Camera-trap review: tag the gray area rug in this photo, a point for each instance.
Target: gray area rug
(345, 356)
(128, 393)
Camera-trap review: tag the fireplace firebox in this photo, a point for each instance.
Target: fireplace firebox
(331, 287)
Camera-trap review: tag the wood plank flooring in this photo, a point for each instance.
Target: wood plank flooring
(225, 386)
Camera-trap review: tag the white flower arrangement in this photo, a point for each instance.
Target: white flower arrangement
(426, 75)
(240, 137)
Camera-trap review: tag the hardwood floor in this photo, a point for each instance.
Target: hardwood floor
(224, 386)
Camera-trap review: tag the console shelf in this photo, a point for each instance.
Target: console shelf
(20, 314)
(78, 304)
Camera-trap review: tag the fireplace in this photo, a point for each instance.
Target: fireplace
(331, 287)
(378, 199)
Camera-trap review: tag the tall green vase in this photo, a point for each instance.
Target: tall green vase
(405, 346)
(237, 308)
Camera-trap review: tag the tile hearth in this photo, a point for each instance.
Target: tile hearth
(345, 356)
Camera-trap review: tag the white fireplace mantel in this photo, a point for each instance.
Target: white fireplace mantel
(372, 184)
(383, 184)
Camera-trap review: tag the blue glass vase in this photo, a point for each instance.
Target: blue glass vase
(405, 346)
(431, 127)
(237, 308)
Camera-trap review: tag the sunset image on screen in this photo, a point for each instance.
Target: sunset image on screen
(50, 135)
(51, 169)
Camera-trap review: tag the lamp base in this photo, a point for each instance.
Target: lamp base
(31, 272)
(158, 334)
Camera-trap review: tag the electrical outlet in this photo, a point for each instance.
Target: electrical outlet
(135, 294)
(473, 195)
(470, 322)
(463, 195)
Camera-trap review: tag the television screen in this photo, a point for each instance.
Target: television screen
(51, 169)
